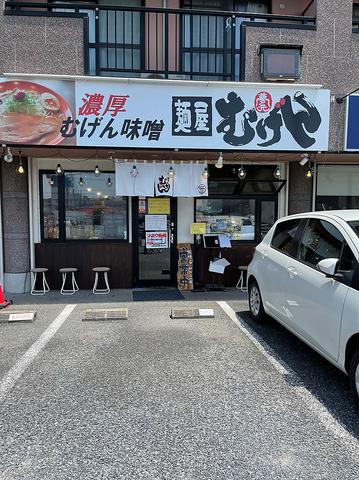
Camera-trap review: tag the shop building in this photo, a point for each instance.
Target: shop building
(245, 86)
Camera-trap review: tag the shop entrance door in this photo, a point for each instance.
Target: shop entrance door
(154, 241)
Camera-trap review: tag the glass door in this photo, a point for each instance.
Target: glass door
(154, 241)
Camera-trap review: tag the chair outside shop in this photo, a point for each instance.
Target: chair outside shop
(101, 291)
(45, 287)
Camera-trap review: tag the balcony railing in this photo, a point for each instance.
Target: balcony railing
(154, 42)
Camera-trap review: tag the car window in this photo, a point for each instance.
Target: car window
(283, 237)
(320, 240)
(347, 261)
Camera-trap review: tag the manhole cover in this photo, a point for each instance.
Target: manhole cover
(192, 313)
(105, 314)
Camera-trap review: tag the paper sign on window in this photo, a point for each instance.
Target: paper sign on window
(156, 240)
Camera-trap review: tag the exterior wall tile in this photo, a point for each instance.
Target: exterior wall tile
(329, 56)
(42, 45)
(300, 190)
(15, 214)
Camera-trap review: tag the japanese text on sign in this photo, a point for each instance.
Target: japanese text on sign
(149, 114)
(156, 239)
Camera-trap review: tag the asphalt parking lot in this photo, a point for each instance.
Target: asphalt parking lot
(155, 398)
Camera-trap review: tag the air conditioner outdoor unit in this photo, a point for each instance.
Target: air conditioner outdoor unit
(152, 75)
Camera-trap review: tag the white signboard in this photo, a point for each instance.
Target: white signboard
(155, 222)
(140, 113)
(144, 113)
(172, 115)
(156, 239)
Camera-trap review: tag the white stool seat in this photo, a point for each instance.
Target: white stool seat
(101, 269)
(101, 291)
(74, 287)
(45, 287)
(242, 281)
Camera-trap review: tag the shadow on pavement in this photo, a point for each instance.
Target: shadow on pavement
(323, 380)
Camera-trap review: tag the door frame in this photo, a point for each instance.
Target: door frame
(135, 249)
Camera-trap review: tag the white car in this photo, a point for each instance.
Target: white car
(305, 274)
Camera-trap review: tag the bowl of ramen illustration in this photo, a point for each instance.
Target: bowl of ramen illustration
(31, 113)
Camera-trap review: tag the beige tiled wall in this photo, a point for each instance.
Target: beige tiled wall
(41, 45)
(330, 56)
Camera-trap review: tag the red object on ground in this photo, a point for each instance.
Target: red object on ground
(4, 303)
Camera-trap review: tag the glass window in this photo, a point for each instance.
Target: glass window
(50, 206)
(320, 240)
(347, 260)
(268, 216)
(92, 211)
(355, 226)
(337, 187)
(88, 204)
(235, 217)
(283, 238)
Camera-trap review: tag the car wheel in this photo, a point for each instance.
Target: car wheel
(255, 302)
(354, 375)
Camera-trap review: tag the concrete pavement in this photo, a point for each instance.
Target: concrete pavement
(156, 398)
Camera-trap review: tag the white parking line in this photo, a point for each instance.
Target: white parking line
(10, 379)
(313, 404)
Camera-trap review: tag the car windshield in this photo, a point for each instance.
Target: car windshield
(355, 226)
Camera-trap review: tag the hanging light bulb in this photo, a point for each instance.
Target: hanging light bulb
(171, 172)
(134, 171)
(277, 173)
(59, 169)
(219, 162)
(20, 169)
(8, 157)
(109, 182)
(242, 173)
(81, 182)
(97, 171)
(51, 181)
(205, 173)
(309, 173)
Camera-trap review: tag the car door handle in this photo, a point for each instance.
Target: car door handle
(292, 272)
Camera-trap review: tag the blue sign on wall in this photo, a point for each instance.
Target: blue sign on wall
(352, 132)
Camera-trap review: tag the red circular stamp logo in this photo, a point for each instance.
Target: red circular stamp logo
(263, 102)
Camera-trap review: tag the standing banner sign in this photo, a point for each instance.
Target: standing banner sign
(185, 266)
(147, 113)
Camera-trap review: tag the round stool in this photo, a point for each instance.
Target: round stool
(101, 291)
(45, 286)
(64, 272)
(242, 281)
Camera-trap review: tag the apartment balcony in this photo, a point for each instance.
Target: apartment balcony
(161, 43)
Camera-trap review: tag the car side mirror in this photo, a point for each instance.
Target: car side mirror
(328, 266)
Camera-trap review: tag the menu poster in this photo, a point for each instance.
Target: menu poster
(155, 222)
(185, 267)
(198, 228)
(156, 240)
(159, 206)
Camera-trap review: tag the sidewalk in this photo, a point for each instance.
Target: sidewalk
(116, 296)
